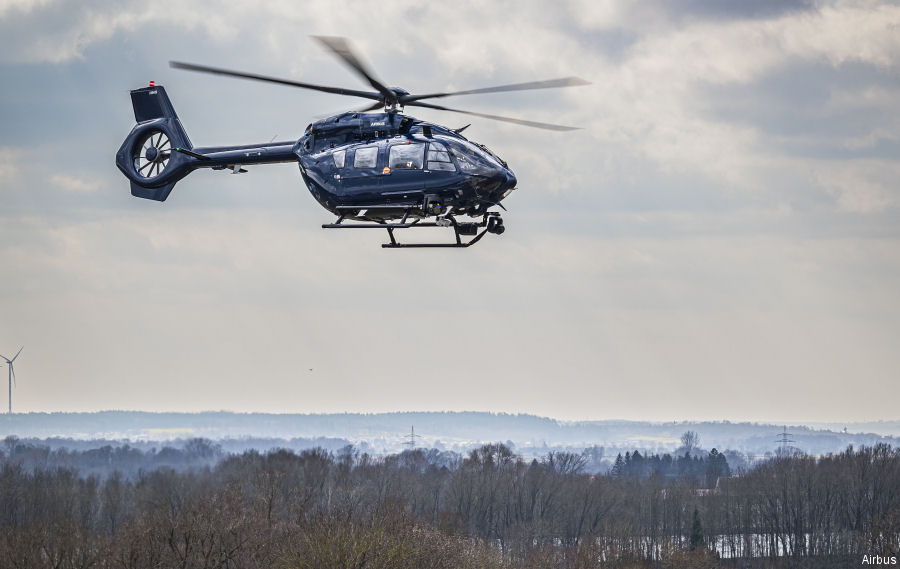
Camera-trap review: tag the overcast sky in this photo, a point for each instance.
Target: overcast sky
(720, 241)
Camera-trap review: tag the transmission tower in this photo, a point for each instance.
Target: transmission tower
(785, 439)
(412, 436)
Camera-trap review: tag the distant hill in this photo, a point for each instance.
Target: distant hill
(451, 430)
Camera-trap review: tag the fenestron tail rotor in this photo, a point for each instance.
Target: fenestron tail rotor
(151, 154)
(393, 98)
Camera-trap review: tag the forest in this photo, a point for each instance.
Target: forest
(422, 508)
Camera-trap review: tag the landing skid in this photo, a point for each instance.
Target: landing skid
(491, 222)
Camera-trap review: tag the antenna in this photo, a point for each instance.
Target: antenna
(412, 438)
(12, 374)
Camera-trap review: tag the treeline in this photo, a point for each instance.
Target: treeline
(102, 458)
(425, 508)
(102, 461)
(703, 470)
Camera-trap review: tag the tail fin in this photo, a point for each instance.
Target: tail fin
(148, 157)
(153, 102)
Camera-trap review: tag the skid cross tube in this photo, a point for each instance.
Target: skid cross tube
(404, 224)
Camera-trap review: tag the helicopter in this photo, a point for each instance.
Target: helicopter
(382, 170)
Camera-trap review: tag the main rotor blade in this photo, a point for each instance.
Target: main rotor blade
(365, 109)
(13, 371)
(548, 84)
(369, 108)
(342, 49)
(535, 124)
(17, 354)
(288, 82)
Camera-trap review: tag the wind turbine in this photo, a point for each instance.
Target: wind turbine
(12, 374)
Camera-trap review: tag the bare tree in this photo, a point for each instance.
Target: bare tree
(690, 441)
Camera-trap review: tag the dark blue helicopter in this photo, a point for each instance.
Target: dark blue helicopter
(381, 170)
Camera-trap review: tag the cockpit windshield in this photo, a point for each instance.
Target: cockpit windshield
(492, 154)
(471, 158)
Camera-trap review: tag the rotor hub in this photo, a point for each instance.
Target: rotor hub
(152, 154)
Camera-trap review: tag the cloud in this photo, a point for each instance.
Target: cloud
(715, 10)
(656, 98)
(58, 32)
(8, 165)
(861, 186)
(74, 184)
(650, 98)
(21, 6)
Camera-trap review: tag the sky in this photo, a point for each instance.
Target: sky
(719, 241)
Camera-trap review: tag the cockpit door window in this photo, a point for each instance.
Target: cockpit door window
(366, 157)
(406, 157)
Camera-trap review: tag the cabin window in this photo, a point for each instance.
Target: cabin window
(365, 157)
(439, 158)
(407, 157)
(339, 158)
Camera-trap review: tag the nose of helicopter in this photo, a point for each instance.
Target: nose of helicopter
(510, 181)
(507, 180)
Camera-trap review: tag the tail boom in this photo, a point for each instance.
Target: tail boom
(157, 153)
